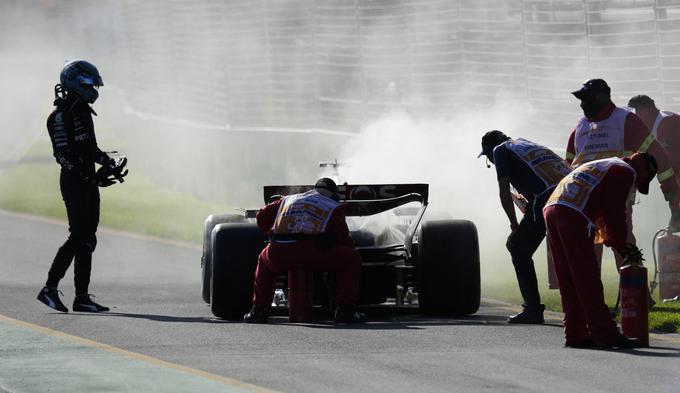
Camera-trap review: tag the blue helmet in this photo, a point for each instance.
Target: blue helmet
(81, 78)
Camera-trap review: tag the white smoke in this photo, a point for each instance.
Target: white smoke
(400, 148)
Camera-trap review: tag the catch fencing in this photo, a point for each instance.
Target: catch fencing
(334, 65)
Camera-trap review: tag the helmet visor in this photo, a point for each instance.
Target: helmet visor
(91, 80)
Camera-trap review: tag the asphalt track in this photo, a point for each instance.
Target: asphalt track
(161, 337)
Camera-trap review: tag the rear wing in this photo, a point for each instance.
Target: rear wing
(369, 199)
(363, 199)
(355, 192)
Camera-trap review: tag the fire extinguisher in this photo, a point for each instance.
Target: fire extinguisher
(634, 301)
(667, 270)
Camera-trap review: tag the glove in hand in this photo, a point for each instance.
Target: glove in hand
(103, 181)
(112, 173)
(631, 254)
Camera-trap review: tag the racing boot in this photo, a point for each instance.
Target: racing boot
(86, 304)
(529, 315)
(50, 296)
(347, 313)
(257, 314)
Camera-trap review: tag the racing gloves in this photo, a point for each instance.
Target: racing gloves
(111, 173)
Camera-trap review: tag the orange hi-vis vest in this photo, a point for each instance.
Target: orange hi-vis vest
(548, 166)
(575, 189)
(600, 139)
(307, 213)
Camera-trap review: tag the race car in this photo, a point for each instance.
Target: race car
(406, 261)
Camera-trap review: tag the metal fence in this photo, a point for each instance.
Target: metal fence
(336, 64)
(328, 64)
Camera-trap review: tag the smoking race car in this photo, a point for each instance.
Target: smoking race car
(406, 261)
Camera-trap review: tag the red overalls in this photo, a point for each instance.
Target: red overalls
(281, 256)
(569, 217)
(617, 132)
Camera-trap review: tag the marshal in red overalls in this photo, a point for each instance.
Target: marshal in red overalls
(593, 195)
(310, 214)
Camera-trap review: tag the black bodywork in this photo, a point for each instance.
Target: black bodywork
(406, 260)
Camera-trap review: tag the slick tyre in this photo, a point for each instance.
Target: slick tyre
(449, 268)
(206, 259)
(236, 247)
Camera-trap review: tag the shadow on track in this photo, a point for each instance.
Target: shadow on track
(385, 320)
(380, 318)
(652, 351)
(155, 317)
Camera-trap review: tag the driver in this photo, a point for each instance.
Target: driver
(307, 231)
(75, 148)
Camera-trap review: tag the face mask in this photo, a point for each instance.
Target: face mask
(590, 108)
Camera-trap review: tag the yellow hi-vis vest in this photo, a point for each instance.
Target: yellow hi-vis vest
(548, 166)
(600, 139)
(575, 189)
(306, 213)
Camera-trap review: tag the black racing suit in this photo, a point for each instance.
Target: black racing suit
(75, 148)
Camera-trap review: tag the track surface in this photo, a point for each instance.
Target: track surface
(160, 336)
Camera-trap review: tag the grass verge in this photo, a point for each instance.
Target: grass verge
(501, 284)
(138, 205)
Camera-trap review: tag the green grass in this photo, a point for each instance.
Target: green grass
(499, 282)
(142, 206)
(504, 285)
(138, 205)
(665, 317)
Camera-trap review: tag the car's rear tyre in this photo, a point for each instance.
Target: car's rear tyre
(235, 250)
(206, 259)
(449, 268)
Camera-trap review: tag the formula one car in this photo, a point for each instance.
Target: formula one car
(406, 261)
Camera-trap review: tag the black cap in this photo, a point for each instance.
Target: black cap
(490, 140)
(591, 87)
(641, 101)
(326, 183)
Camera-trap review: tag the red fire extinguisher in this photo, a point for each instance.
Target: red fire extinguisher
(668, 268)
(634, 302)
